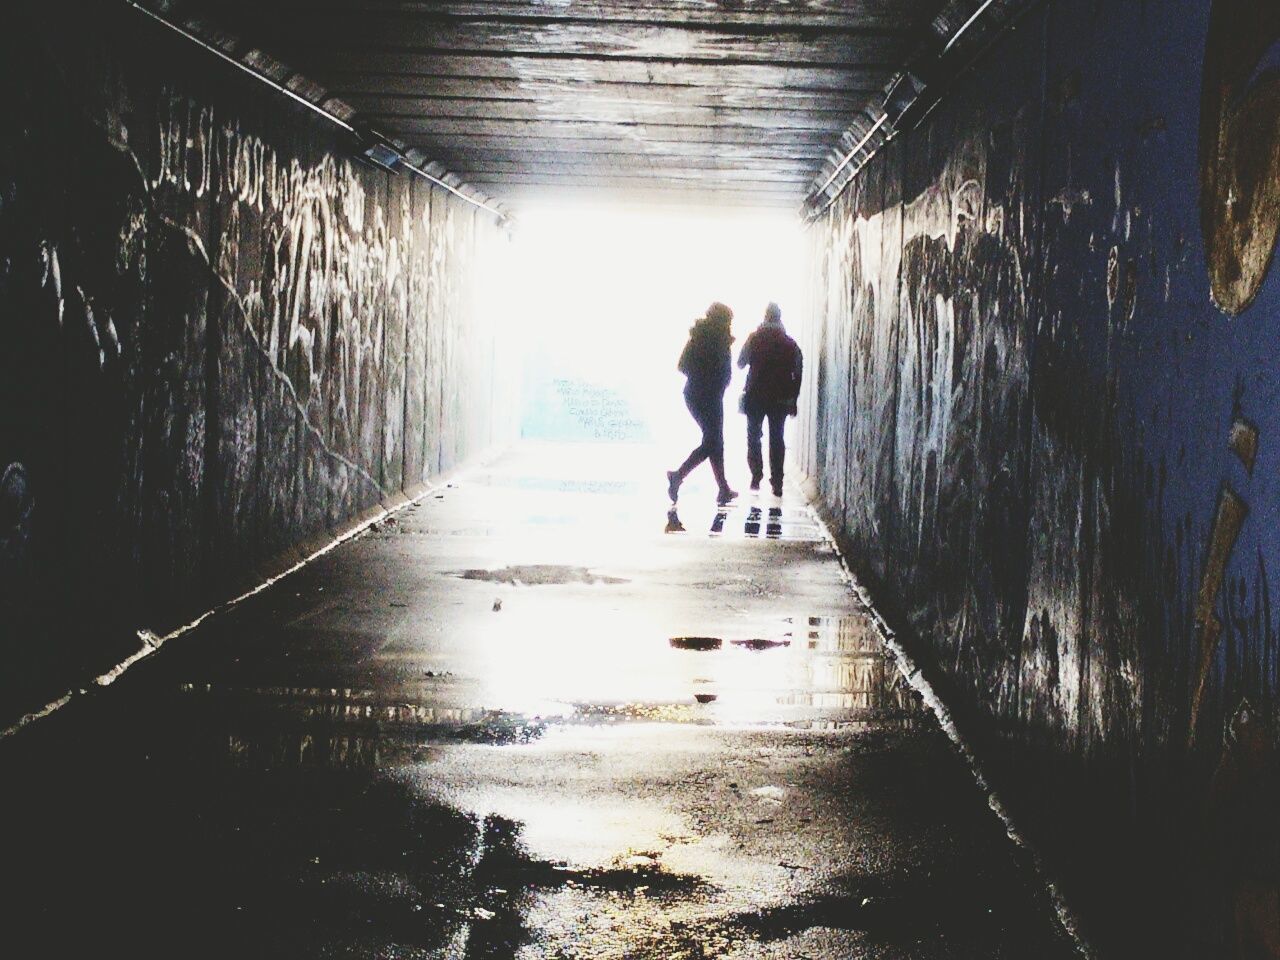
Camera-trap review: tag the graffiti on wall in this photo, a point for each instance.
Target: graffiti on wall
(226, 338)
(1240, 149)
(1083, 505)
(1240, 218)
(311, 304)
(961, 405)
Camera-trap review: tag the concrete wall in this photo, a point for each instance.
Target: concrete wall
(221, 338)
(1044, 407)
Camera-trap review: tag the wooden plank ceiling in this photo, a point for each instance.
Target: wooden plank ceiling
(736, 101)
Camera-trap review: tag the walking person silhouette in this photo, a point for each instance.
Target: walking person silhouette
(707, 366)
(773, 385)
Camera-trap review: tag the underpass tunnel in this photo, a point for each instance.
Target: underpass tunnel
(339, 552)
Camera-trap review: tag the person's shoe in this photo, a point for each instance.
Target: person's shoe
(777, 489)
(726, 496)
(673, 485)
(755, 485)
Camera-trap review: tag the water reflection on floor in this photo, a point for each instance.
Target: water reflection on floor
(747, 521)
(829, 673)
(462, 737)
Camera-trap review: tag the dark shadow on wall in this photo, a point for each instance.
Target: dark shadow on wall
(224, 339)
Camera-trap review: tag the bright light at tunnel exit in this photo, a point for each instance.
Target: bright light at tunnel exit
(604, 301)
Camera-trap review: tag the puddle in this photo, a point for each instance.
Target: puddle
(825, 673)
(308, 863)
(538, 575)
(599, 714)
(813, 673)
(716, 643)
(696, 643)
(338, 727)
(758, 644)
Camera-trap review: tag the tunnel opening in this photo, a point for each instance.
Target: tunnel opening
(608, 294)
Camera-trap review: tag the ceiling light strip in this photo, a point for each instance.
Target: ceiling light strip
(967, 24)
(850, 155)
(315, 108)
(452, 189)
(964, 28)
(222, 54)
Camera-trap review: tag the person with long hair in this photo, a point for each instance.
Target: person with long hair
(707, 366)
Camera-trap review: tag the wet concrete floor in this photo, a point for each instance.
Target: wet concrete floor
(535, 715)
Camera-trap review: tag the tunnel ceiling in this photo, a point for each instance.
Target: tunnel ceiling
(726, 100)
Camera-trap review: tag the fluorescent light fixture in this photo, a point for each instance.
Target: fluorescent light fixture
(377, 150)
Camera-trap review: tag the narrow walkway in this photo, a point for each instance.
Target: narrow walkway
(529, 717)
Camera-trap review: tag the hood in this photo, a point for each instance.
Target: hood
(705, 328)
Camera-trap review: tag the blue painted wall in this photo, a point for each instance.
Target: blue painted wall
(1045, 423)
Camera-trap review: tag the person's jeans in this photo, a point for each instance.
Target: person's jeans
(709, 415)
(777, 417)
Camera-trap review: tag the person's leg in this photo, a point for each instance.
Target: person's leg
(711, 423)
(710, 418)
(715, 437)
(717, 468)
(696, 455)
(755, 459)
(777, 448)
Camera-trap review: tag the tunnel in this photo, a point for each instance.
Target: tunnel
(350, 605)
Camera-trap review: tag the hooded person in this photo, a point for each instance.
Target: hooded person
(707, 366)
(773, 386)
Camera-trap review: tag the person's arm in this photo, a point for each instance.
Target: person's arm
(797, 372)
(744, 357)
